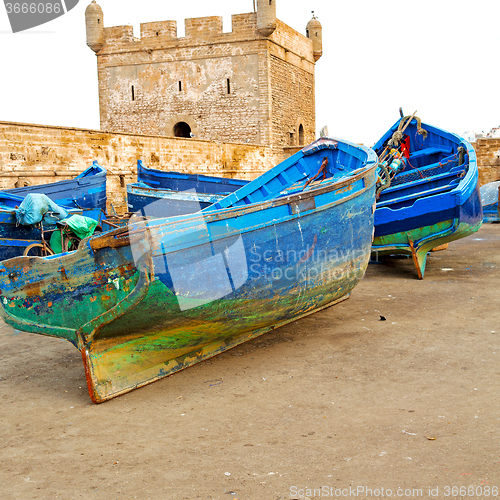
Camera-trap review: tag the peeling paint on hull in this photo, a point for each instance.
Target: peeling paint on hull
(134, 301)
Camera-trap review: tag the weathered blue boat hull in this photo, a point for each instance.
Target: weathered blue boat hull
(146, 301)
(87, 191)
(161, 193)
(433, 201)
(153, 202)
(177, 181)
(491, 213)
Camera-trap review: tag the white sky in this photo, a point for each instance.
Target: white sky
(440, 57)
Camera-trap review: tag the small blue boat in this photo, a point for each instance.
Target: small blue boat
(167, 193)
(489, 198)
(157, 202)
(428, 192)
(17, 239)
(145, 301)
(87, 191)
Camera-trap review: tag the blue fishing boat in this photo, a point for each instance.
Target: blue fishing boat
(489, 199)
(428, 192)
(177, 181)
(168, 193)
(29, 239)
(147, 300)
(87, 191)
(159, 202)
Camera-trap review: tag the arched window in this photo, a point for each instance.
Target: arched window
(301, 135)
(182, 129)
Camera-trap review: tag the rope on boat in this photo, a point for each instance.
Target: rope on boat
(422, 176)
(322, 170)
(397, 137)
(461, 155)
(386, 183)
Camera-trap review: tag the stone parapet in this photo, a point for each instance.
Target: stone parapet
(40, 154)
(488, 159)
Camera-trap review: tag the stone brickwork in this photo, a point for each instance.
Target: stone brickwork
(238, 86)
(488, 159)
(38, 154)
(245, 98)
(293, 100)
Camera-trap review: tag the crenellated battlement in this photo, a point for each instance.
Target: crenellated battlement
(166, 29)
(197, 29)
(119, 33)
(203, 27)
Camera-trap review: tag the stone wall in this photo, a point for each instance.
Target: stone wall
(488, 159)
(293, 105)
(37, 154)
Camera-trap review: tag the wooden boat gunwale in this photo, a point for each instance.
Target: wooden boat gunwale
(229, 213)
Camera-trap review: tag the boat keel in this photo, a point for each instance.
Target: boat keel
(419, 258)
(105, 382)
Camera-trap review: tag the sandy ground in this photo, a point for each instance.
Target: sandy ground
(341, 400)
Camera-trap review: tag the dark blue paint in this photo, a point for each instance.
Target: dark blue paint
(87, 191)
(85, 194)
(163, 194)
(176, 181)
(153, 202)
(448, 190)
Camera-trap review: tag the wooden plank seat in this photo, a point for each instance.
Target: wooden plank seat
(431, 151)
(425, 180)
(428, 171)
(420, 194)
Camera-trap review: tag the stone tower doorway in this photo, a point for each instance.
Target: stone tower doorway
(182, 129)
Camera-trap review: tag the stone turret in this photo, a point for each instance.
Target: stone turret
(95, 26)
(314, 31)
(266, 17)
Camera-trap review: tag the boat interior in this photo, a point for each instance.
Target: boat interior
(301, 172)
(429, 171)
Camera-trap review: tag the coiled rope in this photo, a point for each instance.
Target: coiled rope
(397, 137)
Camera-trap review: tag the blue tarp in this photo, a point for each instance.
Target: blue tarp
(37, 207)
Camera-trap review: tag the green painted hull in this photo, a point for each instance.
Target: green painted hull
(134, 300)
(419, 242)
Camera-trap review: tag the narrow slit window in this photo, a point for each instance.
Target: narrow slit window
(133, 93)
(180, 86)
(301, 135)
(228, 86)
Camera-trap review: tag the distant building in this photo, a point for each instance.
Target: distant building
(472, 136)
(254, 84)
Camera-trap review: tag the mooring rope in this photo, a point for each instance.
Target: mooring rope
(397, 136)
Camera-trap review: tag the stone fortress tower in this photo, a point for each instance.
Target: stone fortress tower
(254, 84)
